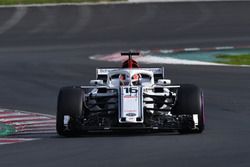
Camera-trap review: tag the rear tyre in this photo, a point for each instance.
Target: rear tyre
(69, 103)
(190, 101)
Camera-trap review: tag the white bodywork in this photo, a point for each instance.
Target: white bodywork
(131, 90)
(130, 110)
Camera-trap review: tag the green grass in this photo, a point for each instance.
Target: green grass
(14, 2)
(243, 59)
(6, 130)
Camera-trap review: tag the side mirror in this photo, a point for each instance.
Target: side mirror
(164, 82)
(96, 82)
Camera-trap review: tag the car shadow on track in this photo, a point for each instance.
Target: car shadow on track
(120, 134)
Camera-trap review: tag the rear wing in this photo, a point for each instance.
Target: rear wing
(102, 73)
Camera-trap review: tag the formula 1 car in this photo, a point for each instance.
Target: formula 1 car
(130, 98)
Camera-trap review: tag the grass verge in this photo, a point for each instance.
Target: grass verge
(6, 130)
(16, 2)
(243, 59)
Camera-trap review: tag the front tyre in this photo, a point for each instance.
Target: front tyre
(69, 105)
(190, 101)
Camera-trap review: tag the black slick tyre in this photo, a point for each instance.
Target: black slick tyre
(190, 101)
(69, 103)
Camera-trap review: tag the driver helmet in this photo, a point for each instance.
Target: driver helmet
(136, 79)
(122, 78)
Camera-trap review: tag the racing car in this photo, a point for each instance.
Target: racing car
(130, 98)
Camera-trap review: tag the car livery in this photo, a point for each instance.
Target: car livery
(130, 98)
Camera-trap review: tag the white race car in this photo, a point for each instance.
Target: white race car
(130, 98)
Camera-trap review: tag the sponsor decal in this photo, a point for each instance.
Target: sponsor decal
(128, 97)
(130, 111)
(130, 114)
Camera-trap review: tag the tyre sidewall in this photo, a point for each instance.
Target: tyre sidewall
(190, 101)
(69, 103)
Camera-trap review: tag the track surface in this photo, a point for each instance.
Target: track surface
(42, 49)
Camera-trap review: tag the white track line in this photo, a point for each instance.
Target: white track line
(147, 58)
(83, 19)
(38, 128)
(167, 60)
(110, 3)
(14, 19)
(24, 119)
(63, 4)
(36, 132)
(12, 114)
(34, 122)
(153, 59)
(32, 129)
(37, 125)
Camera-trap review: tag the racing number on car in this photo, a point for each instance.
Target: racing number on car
(130, 90)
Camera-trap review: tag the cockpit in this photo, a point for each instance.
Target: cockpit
(130, 77)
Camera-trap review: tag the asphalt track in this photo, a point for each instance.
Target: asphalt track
(42, 49)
